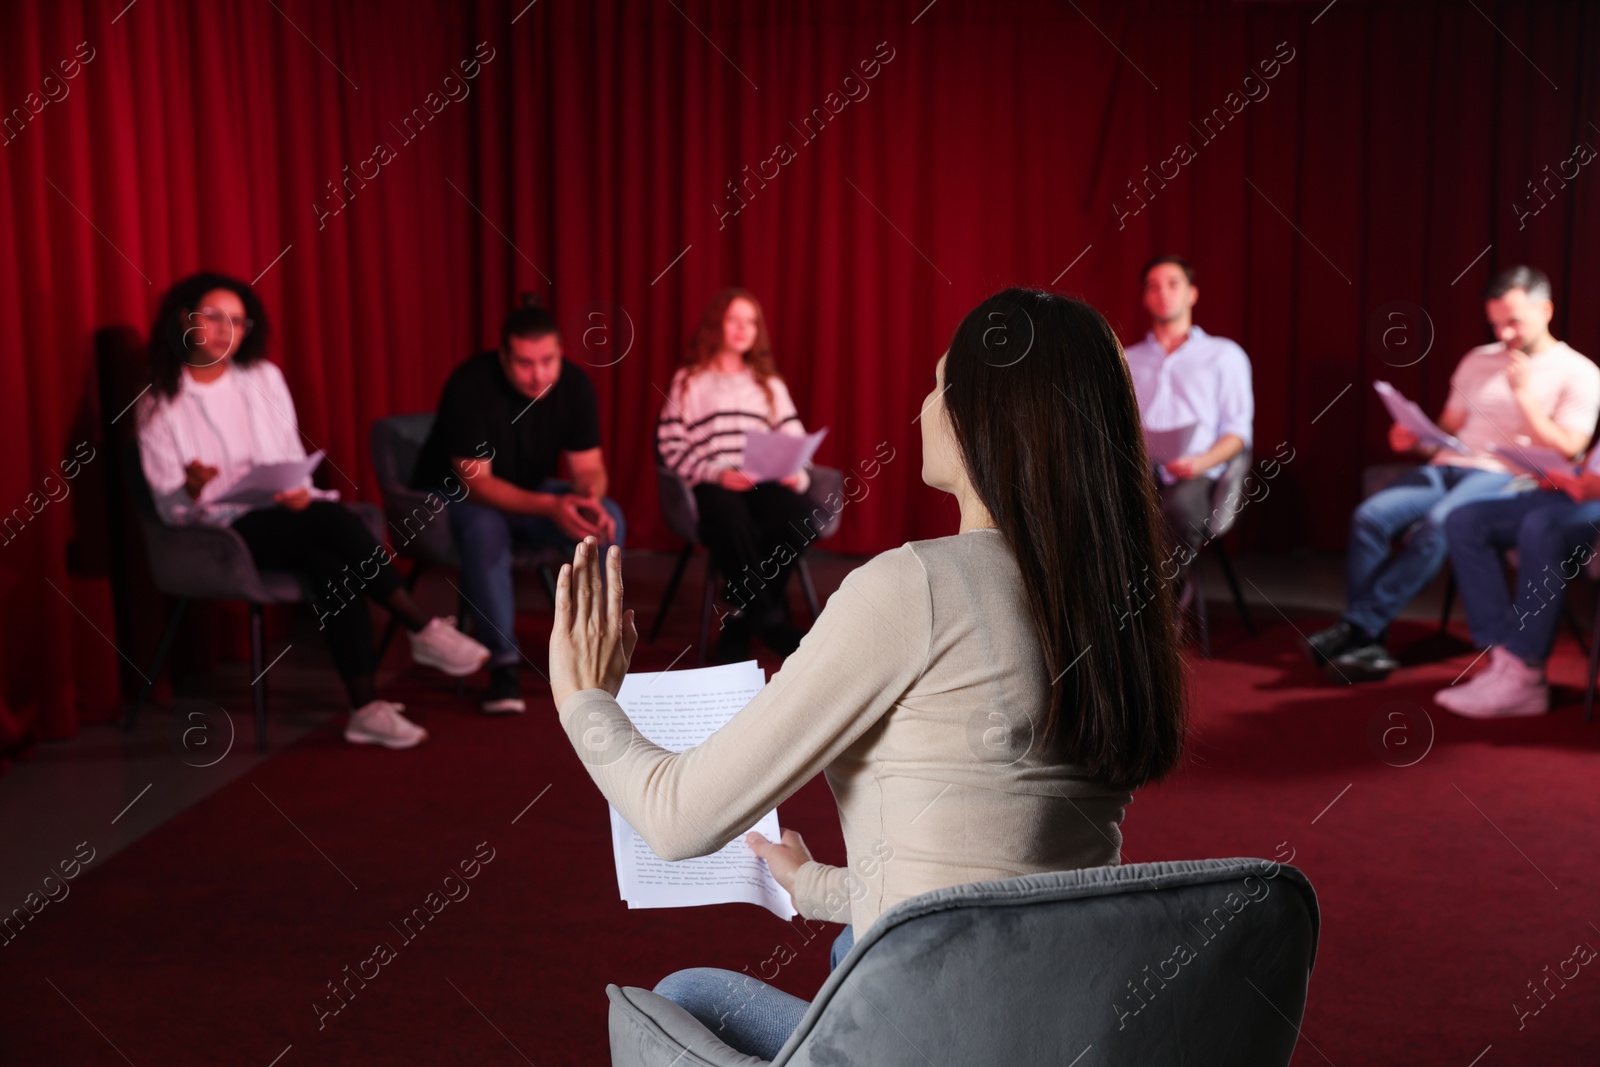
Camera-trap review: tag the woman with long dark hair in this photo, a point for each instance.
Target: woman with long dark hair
(728, 386)
(216, 408)
(983, 704)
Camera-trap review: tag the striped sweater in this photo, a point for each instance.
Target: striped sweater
(701, 429)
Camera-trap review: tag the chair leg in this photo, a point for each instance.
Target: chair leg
(1449, 598)
(707, 604)
(804, 570)
(258, 673)
(394, 623)
(547, 578)
(671, 591)
(1572, 622)
(162, 649)
(1233, 583)
(1594, 667)
(1198, 595)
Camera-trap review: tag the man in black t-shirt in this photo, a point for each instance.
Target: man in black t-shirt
(504, 418)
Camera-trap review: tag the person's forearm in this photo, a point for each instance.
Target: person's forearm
(589, 483)
(1546, 431)
(499, 493)
(1227, 446)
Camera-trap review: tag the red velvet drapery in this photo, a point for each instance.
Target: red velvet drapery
(393, 172)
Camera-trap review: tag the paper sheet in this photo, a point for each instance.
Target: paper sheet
(1535, 459)
(1409, 415)
(260, 483)
(770, 456)
(678, 710)
(1164, 446)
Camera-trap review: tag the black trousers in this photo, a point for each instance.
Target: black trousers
(755, 538)
(331, 544)
(1186, 506)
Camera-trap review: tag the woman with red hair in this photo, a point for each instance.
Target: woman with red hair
(727, 387)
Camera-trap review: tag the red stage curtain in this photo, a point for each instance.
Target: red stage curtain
(904, 159)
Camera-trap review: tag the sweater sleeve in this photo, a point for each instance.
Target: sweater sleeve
(868, 646)
(164, 468)
(822, 892)
(788, 421)
(277, 404)
(675, 442)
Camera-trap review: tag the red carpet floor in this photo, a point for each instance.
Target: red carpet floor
(1447, 886)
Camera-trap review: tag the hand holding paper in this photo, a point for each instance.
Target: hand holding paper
(1164, 446)
(771, 456)
(1536, 460)
(262, 483)
(678, 710)
(1408, 414)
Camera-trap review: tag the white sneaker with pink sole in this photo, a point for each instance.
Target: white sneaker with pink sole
(1507, 688)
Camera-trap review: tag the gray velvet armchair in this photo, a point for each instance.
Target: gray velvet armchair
(1189, 962)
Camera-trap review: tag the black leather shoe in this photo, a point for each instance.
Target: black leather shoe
(1336, 640)
(1366, 663)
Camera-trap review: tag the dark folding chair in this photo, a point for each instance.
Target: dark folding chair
(213, 563)
(417, 519)
(682, 515)
(1222, 518)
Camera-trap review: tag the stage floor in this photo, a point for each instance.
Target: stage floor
(1453, 860)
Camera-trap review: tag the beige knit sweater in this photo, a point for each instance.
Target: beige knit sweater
(917, 693)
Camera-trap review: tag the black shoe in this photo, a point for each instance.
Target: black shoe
(782, 637)
(1366, 663)
(1334, 641)
(504, 695)
(733, 643)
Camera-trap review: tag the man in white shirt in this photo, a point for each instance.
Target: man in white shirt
(1526, 389)
(1185, 377)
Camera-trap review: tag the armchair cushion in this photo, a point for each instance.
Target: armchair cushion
(1148, 963)
(648, 1030)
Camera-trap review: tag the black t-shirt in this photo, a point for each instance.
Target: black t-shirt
(475, 420)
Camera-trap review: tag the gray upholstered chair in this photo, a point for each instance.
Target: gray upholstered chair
(1199, 961)
(213, 563)
(1221, 520)
(682, 515)
(417, 519)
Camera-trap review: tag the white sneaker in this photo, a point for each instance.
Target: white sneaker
(1509, 688)
(439, 644)
(380, 723)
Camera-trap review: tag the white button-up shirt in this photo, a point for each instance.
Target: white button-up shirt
(1204, 381)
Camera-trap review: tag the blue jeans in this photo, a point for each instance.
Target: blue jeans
(485, 537)
(746, 1013)
(1554, 536)
(1377, 587)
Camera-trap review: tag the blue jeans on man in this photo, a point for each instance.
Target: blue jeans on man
(487, 538)
(1378, 584)
(1554, 536)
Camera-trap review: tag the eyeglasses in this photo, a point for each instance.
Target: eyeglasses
(216, 319)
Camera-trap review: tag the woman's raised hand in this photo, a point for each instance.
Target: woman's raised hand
(593, 638)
